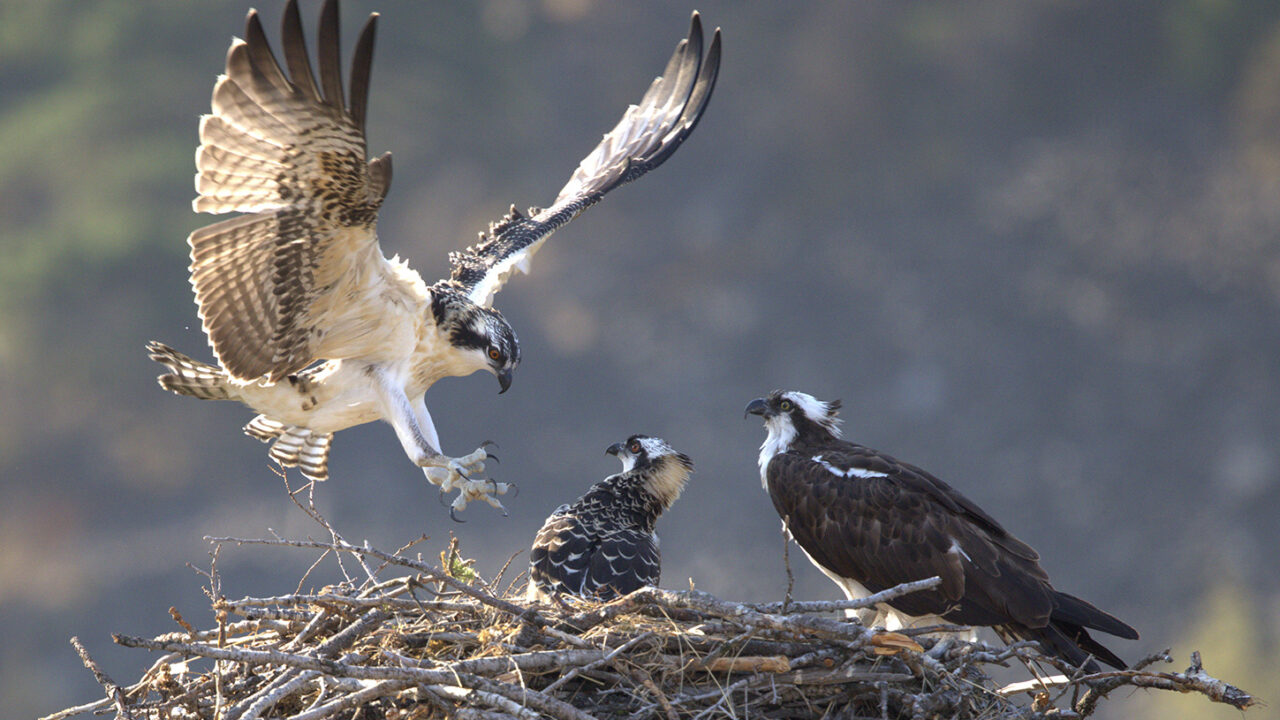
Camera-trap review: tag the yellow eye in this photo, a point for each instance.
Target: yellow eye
(495, 353)
(634, 448)
(785, 406)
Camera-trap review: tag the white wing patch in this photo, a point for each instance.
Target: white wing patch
(848, 472)
(520, 261)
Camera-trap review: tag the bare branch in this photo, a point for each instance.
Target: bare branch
(112, 690)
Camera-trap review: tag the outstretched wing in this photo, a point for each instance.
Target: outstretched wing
(645, 137)
(291, 153)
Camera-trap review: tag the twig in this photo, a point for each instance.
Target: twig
(354, 700)
(600, 662)
(786, 563)
(893, 593)
(435, 573)
(510, 707)
(112, 690)
(285, 684)
(1194, 679)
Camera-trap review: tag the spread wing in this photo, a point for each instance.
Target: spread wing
(868, 517)
(645, 137)
(291, 153)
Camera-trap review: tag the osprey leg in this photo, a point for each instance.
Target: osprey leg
(421, 443)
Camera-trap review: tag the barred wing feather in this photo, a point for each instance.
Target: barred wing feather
(645, 137)
(291, 153)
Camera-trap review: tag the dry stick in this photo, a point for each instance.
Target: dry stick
(256, 626)
(348, 600)
(786, 562)
(312, 627)
(78, 709)
(112, 689)
(726, 694)
(478, 714)
(348, 635)
(851, 633)
(1194, 679)
(537, 661)
(271, 694)
(284, 685)
(601, 662)
(540, 702)
(354, 700)
(545, 704)
(893, 593)
(511, 707)
(436, 574)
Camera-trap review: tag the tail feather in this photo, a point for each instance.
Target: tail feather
(189, 377)
(1069, 609)
(1086, 643)
(1070, 642)
(294, 446)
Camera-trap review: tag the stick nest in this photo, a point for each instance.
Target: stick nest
(438, 641)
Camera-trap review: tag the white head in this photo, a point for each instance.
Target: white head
(789, 415)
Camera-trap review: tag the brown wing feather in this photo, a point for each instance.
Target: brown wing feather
(275, 147)
(881, 531)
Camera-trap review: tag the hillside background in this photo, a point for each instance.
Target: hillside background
(1034, 247)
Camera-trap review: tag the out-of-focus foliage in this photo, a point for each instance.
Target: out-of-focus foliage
(1035, 248)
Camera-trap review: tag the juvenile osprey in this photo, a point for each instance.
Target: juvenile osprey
(603, 544)
(312, 326)
(870, 522)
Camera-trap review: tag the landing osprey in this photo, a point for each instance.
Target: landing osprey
(603, 544)
(312, 326)
(870, 522)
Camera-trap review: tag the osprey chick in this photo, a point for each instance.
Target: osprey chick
(313, 327)
(870, 522)
(603, 544)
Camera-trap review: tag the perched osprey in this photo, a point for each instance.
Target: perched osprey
(603, 544)
(312, 326)
(870, 522)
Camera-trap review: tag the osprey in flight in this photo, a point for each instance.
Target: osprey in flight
(312, 326)
(870, 522)
(603, 544)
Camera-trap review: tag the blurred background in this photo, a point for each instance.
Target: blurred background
(1034, 247)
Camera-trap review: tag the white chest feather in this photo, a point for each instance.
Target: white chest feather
(781, 434)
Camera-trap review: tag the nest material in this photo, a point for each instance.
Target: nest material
(440, 642)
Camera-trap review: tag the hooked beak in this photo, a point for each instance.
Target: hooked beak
(756, 407)
(504, 380)
(614, 449)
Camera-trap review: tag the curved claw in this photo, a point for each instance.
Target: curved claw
(453, 515)
(487, 443)
(490, 456)
(515, 488)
